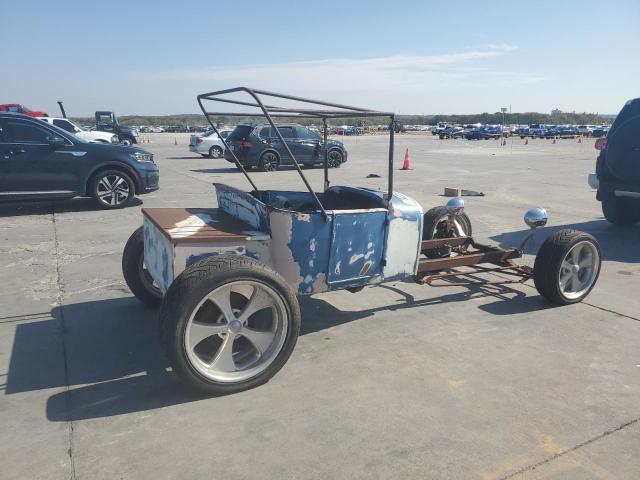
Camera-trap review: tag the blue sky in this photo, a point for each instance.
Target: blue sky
(154, 57)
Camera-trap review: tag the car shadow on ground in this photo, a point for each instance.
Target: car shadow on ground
(43, 207)
(617, 244)
(216, 170)
(115, 364)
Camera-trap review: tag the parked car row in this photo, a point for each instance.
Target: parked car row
(561, 131)
(173, 128)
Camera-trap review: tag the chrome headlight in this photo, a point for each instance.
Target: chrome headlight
(115, 139)
(142, 157)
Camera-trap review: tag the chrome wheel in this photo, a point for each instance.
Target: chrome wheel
(236, 331)
(215, 152)
(579, 270)
(113, 190)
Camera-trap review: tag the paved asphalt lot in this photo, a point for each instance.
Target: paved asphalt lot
(397, 381)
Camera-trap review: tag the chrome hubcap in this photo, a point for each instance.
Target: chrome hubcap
(579, 270)
(236, 331)
(113, 190)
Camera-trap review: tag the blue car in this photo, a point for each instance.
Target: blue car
(42, 161)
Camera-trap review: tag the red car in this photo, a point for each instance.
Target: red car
(17, 108)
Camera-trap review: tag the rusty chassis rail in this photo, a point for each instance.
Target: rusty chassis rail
(468, 253)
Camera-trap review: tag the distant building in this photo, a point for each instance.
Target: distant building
(556, 111)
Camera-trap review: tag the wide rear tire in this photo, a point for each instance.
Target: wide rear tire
(567, 266)
(136, 275)
(228, 323)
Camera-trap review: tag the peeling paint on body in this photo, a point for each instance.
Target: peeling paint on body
(354, 247)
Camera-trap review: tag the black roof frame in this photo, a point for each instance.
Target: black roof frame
(270, 111)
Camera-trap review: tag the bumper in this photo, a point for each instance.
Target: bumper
(195, 149)
(149, 180)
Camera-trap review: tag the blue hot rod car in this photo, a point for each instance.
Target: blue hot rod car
(227, 278)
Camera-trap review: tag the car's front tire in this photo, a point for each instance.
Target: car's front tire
(112, 189)
(567, 266)
(435, 224)
(228, 323)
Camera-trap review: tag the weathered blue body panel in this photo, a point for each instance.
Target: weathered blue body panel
(360, 242)
(357, 247)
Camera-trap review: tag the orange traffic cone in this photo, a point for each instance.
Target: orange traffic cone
(504, 142)
(554, 140)
(526, 141)
(579, 139)
(406, 165)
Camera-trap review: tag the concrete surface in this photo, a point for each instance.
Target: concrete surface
(397, 381)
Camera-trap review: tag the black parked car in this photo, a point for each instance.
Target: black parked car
(38, 161)
(259, 146)
(452, 132)
(618, 168)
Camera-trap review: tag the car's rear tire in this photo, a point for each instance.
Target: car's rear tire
(433, 227)
(567, 266)
(621, 211)
(269, 162)
(228, 323)
(334, 158)
(135, 273)
(112, 189)
(215, 152)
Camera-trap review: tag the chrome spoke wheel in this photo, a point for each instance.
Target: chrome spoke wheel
(236, 331)
(579, 270)
(112, 190)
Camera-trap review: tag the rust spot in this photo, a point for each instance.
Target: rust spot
(365, 269)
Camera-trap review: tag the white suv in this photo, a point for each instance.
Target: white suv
(89, 135)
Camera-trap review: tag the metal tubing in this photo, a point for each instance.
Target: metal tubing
(391, 142)
(326, 156)
(495, 256)
(269, 111)
(226, 146)
(295, 162)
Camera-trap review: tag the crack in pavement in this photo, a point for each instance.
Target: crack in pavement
(62, 329)
(570, 450)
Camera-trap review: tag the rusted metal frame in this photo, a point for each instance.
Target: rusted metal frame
(495, 255)
(226, 146)
(445, 242)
